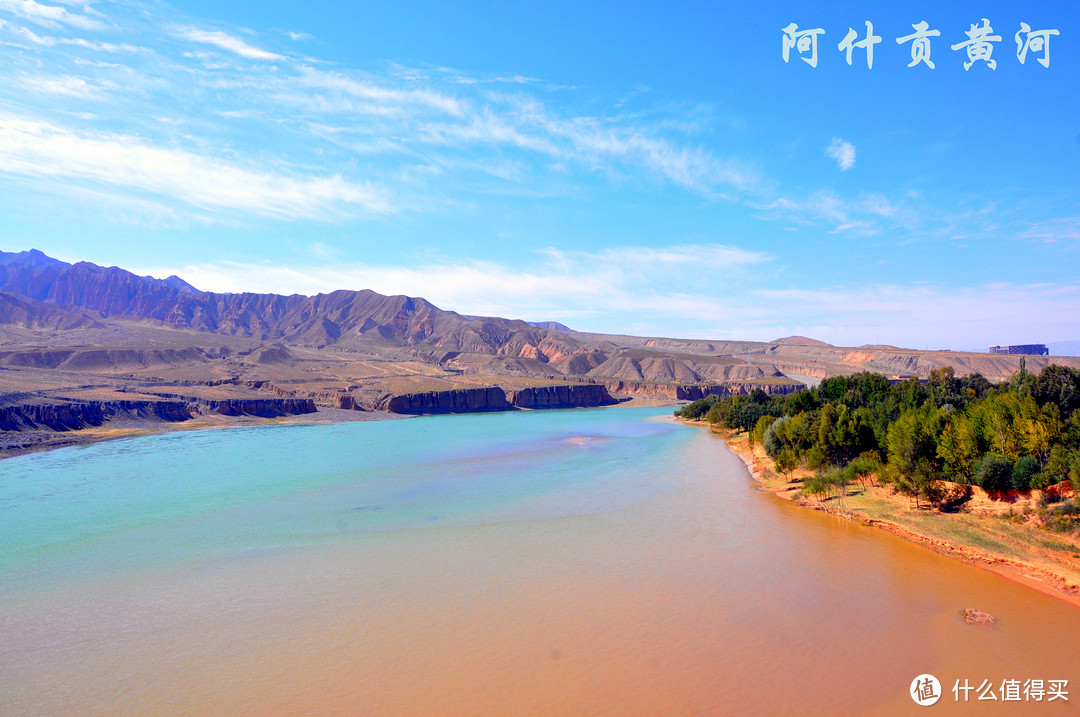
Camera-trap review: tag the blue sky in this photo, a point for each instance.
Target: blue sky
(621, 167)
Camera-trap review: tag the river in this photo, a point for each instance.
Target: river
(597, 561)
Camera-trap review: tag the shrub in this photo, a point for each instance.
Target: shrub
(696, 409)
(1063, 516)
(818, 485)
(815, 458)
(786, 461)
(994, 473)
(773, 444)
(1040, 481)
(761, 426)
(1025, 469)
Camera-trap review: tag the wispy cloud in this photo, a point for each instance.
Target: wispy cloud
(342, 85)
(66, 85)
(49, 15)
(1054, 230)
(937, 316)
(603, 291)
(426, 135)
(560, 284)
(44, 150)
(227, 42)
(679, 259)
(843, 152)
(50, 41)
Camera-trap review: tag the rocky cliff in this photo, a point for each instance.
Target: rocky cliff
(589, 394)
(73, 415)
(262, 407)
(494, 398)
(466, 400)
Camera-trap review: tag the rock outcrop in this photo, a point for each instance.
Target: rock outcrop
(73, 415)
(262, 407)
(465, 400)
(492, 398)
(693, 392)
(977, 617)
(563, 396)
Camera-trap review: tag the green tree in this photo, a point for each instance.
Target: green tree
(1025, 469)
(816, 485)
(944, 388)
(994, 473)
(867, 465)
(815, 458)
(827, 422)
(840, 479)
(800, 402)
(786, 462)
(1056, 469)
(761, 426)
(696, 409)
(911, 439)
(958, 448)
(773, 438)
(1059, 386)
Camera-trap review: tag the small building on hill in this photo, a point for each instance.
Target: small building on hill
(1027, 349)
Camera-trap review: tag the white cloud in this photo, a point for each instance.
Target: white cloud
(864, 214)
(312, 79)
(50, 41)
(652, 260)
(225, 41)
(67, 85)
(928, 315)
(527, 124)
(48, 15)
(613, 291)
(401, 122)
(336, 119)
(36, 149)
(1052, 231)
(694, 168)
(843, 152)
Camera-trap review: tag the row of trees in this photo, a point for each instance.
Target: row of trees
(1020, 434)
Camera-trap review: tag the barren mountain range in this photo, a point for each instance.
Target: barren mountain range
(82, 345)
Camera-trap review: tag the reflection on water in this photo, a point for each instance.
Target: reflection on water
(564, 562)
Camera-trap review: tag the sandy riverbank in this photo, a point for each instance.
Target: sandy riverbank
(1042, 560)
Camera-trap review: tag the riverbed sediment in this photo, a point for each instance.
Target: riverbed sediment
(1058, 579)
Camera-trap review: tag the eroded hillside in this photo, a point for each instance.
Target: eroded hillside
(77, 333)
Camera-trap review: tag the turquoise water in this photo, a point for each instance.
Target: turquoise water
(594, 561)
(182, 498)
